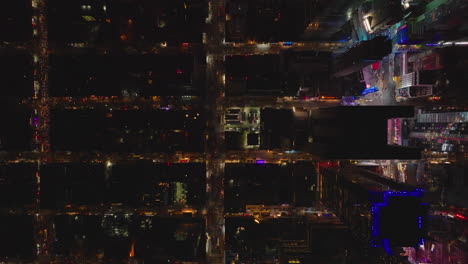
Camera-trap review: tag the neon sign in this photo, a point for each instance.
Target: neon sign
(369, 90)
(378, 237)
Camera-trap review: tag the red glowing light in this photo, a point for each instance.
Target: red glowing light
(179, 71)
(460, 216)
(327, 164)
(376, 65)
(402, 27)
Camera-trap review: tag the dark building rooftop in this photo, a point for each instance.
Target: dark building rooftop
(17, 237)
(356, 133)
(17, 15)
(124, 75)
(17, 185)
(265, 21)
(16, 72)
(127, 130)
(269, 184)
(16, 132)
(137, 22)
(254, 75)
(72, 184)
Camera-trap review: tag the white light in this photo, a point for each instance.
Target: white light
(367, 24)
(104, 8)
(349, 14)
(109, 164)
(263, 45)
(461, 43)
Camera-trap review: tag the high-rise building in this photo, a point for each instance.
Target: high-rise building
(356, 132)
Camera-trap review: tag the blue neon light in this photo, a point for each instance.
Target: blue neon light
(375, 225)
(386, 245)
(421, 242)
(372, 89)
(402, 35)
(260, 162)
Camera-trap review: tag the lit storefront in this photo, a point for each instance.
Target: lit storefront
(394, 131)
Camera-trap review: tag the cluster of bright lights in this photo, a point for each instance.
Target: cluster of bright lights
(40, 119)
(450, 215)
(457, 43)
(40, 116)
